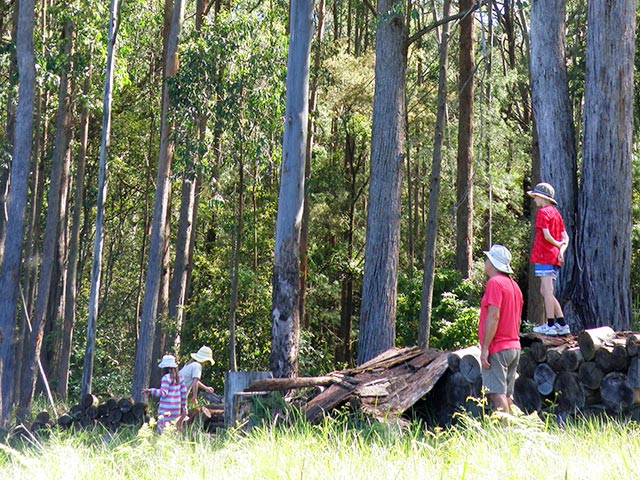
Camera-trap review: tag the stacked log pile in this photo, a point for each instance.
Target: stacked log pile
(112, 414)
(597, 371)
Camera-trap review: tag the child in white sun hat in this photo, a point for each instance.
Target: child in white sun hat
(172, 394)
(192, 372)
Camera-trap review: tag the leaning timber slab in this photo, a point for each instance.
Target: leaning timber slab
(386, 385)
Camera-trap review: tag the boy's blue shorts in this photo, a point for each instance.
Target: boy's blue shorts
(545, 270)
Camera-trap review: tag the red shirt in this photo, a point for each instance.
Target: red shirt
(544, 252)
(502, 292)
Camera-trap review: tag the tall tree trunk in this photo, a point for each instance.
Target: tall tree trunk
(16, 201)
(311, 127)
(285, 309)
(235, 266)
(50, 243)
(603, 239)
(98, 242)
(380, 283)
(186, 228)
(464, 180)
(426, 300)
(144, 349)
(74, 247)
(9, 129)
(553, 118)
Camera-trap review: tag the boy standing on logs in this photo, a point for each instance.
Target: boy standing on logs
(547, 255)
(498, 328)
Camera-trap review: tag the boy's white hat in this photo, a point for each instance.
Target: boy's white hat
(168, 361)
(543, 190)
(500, 257)
(203, 355)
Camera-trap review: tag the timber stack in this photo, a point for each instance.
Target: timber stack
(114, 414)
(597, 371)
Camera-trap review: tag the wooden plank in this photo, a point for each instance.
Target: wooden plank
(332, 397)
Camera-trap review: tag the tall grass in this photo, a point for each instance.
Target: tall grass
(528, 448)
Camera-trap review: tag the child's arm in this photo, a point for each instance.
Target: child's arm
(163, 390)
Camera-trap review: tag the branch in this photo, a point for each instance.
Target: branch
(419, 34)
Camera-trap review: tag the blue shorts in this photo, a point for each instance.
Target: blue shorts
(545, 270)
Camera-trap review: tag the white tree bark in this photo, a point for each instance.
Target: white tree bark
(285, 312)
(98, 242)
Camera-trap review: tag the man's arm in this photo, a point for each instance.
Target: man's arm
(490, 327)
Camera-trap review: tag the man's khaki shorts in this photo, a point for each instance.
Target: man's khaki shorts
(501, 377)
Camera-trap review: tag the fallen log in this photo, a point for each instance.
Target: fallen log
(538, 351)
(526, 395)
(616, 391)
(544, 376)
(554, 357)
(591, 340)
(590, 375)
(619, 358)
(272, 384)
(526, 364)
(571, 359)
(603, 358)
(633, 373)
(570, 393)
(453, 359)
(633, 344)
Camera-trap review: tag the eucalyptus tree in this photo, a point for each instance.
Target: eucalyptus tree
(285, 311)
(148, 319)
(426, 300)
(47, 296)
(98, 243)
(379, 291)
(464, 178)
(602, 293)
(379, 288)
(553, 116)
(16, 202)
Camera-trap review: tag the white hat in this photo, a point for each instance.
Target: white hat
(168, 361)
(500, 257)
(203, 355)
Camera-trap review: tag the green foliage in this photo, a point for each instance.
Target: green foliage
(454, 312)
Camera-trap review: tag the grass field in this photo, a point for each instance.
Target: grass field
(527, 448)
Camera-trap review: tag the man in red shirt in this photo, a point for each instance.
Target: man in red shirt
(547, 255)
(499, 327)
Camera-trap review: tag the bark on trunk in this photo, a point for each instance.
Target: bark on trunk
(426, 299)
(464, 180)
(603, 249)
(285, 310)
(17, 200)
(379, 290)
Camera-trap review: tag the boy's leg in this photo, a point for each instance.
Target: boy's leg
(550, 302)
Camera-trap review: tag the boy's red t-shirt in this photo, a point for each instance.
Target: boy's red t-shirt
(504, 293)
(544, 252)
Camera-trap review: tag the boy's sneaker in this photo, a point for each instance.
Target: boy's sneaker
(562, 329)
(545, 329)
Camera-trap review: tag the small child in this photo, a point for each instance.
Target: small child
(547, 255)
(192, 372)
(172, 394)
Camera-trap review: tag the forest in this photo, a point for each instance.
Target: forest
(299, 186)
